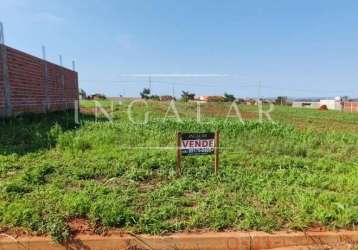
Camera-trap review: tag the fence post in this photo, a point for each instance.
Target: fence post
(178, 153)
(63, 105)
(217, 151)
(47, 87)
(5, 72)
(76, 84)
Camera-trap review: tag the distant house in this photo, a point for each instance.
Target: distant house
(350, 106)
(240, 100)
(306, 104)
(330, 104)
(166, 98)
(250, 101)
(216, 99)
(281, 100)
(211, 98)
(203, 98)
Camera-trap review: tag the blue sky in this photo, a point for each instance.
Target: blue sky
(295, 48)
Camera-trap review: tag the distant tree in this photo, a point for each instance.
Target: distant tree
(281, 100)
(155, 97)
(186, 96)
(97, 96)
(229, 97)
(145, 94)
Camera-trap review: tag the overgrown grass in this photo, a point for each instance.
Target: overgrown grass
(272, 175)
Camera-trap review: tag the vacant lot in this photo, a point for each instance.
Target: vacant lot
(297, 173)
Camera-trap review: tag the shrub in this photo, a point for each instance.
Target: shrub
(76, 204)
(58, 229)
(37, 175)
(111, 212)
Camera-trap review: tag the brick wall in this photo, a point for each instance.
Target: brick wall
(30, 89)
(2, 97)
(350, 106)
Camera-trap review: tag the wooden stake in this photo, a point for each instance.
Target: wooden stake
(217, 147)
(178, 153)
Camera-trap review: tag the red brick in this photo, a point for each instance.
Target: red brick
(28, 85)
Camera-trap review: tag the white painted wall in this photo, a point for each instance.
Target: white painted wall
(331, 104)
(311, 105)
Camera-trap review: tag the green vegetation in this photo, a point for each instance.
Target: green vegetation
(187, 96)
(146, 94)
(300, 172)
(229, 97)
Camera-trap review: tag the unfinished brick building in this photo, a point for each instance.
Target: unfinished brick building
(31, 84)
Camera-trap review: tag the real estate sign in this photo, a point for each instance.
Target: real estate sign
(197, 144)
(191, 144)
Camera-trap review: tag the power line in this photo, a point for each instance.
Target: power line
(165, 82)
(258, 85)
(174, 75)
(305, 90)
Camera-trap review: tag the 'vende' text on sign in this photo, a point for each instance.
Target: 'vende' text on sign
(197, 144)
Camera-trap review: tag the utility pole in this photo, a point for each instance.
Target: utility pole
(62, 82)
(47, 87)
(5, 74)
(258, 92)
(43, 52)
(150, 83)
(2, 39)
(60, 59)
(173, 89)
(73, 65)
(76, 103)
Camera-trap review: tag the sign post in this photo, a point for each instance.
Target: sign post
(217, 139)
(178, 153)
(191, 144)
